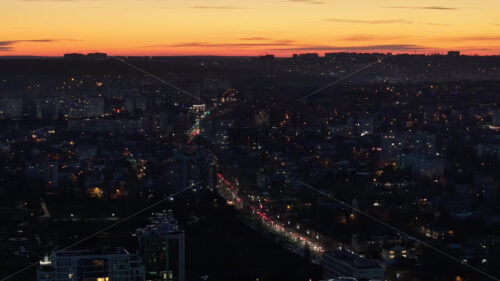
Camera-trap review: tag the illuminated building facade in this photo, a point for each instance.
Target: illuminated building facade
(115, 265)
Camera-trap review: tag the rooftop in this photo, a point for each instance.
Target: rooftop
(162, 223)
(351, 259)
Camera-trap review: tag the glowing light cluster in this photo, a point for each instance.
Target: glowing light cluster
(231, 191)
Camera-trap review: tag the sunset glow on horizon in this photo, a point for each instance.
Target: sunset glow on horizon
(233, 28)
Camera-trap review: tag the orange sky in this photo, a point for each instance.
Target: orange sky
(251, 27)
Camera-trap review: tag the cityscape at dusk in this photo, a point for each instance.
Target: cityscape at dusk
(297, 140)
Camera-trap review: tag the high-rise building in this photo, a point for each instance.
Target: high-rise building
(156, 122)
(115, 265)
(161, 245)
(308, 56)
(97, 56)
(187, 167)
(86, 107)
(11, 108)
(496, 117)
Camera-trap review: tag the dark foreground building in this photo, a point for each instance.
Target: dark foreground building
(116, 265)
(162, 246)
(342, 263)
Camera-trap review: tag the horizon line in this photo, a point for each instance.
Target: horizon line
(320, 54)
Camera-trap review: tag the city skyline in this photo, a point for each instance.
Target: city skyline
(319, 140)
(234, 28)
